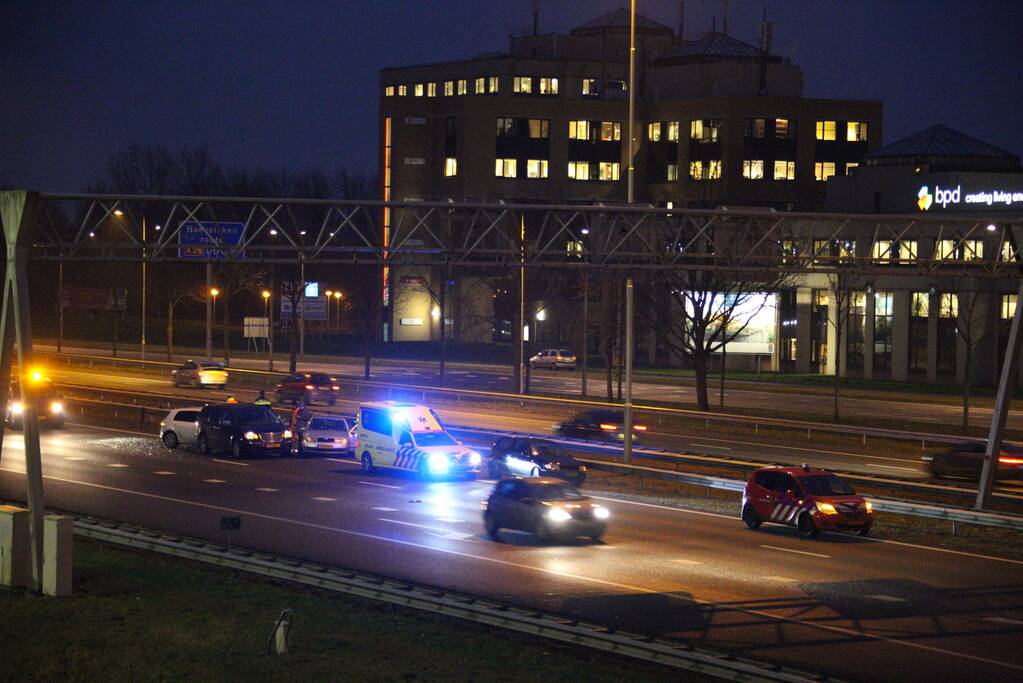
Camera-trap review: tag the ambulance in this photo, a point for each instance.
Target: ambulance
(406, 436)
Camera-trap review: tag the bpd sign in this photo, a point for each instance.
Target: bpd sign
(209, 240)
(945, 197)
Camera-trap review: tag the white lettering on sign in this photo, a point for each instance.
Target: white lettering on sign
(412, 321)
(947, 196)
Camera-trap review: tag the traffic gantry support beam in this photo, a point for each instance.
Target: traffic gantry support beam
(18, 211)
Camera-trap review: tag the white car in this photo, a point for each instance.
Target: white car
(180, 427)
(328, 434)
(553, 359)
(410, 437)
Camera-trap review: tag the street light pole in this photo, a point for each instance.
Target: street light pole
(209, 311)
(632, 96)
(627, 452)
(144, 257)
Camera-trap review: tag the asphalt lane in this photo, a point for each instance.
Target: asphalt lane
(859, 608)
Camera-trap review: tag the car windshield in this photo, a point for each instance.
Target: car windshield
(425, 439)
(327, 424)
(548, 451)
(565, 352)
(558, 492)
(320, 378)
(253, 415)
(211, 366)
(826, 485)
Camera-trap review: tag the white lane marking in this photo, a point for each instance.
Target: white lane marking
(373, 483)
(231, 462)
(448, 520)
(434, 531)
(861, 540)
(709, 445)
(267, 489)
(73, 457)
(553, 572)
(784, 579)
(323, 499)
(383, 509)
(887, 598)
(214, 481)
(344, 462)
(896, 467)
(163, 473)
(117, 464)
(798, 552)
(683, 561)
(1005, 620)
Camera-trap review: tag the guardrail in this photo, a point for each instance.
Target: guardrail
(410, 391)
(479, 610)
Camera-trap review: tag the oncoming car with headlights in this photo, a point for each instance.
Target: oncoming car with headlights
(242, 430)
(38, 389)
(807, 498)
(323, 433)
(547, 507)
(406, 436)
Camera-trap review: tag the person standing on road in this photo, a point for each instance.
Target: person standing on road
(296, 413)
(262, 400)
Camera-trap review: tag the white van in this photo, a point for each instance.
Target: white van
(406, 436)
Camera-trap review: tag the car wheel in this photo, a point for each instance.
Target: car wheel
(367, 463)
(204, 445)
(865, 531)
(750, 517)
(170, 440)
(554, 366)
(494, 470)
(493, 530)
(807, 529)
(236, 449)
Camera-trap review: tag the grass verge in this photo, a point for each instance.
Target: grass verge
(136, 616)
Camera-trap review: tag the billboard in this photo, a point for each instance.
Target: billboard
(196, 239)
(313, 308)
(758, 312)
(94, 298)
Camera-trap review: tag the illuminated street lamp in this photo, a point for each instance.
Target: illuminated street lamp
(119, 213)
(338, 295)
(330, 293)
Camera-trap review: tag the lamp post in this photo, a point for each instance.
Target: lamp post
(212, 316)
(120, 213)
(330, 294)
(337, 318)
(266, 294)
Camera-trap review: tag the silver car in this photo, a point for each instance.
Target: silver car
(553, 359)
(180, 427)
(328, 435)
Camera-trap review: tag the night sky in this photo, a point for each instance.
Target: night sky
(295, 84)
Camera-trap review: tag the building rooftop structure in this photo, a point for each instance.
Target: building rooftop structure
(943, 148)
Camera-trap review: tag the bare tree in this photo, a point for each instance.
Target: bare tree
(961, 300)
(843, 295)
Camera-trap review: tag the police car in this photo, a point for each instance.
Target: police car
(406, 436)
(808, 498)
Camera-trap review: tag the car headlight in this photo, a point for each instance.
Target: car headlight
(552, 466)
(56, 407)
(286, 434)
(870, 506)
(474, 458)
(827, 508)
(437, 463)
(601, 513)
(558, 515)
(582, 468)
(308, 439)
(343, 441)
(17, 407)
(252, 436)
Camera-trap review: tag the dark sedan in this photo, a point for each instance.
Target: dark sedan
(527, 457)
(308, 387)
(242, 430)
(549, 508)
(601, 425)
(966, 460)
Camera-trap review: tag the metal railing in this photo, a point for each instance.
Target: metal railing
(676, 654)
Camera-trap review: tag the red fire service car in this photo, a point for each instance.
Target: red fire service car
(807, 498)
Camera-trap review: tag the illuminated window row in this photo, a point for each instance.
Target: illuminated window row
(784, 129)
(481, 85)
(855, 131)
(594, 131)
(667, 129)
(533, 128)
(594, 170)
(902, 251)
(532, 85)
(508, 168)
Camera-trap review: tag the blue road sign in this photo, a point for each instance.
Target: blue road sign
(196, 239)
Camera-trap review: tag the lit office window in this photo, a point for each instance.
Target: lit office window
(450, 167)
(610, 170)
(755, 128)
(579, 130)
(850, 166)
(610, 131)
(431, 89)
(920, 305)
(856, 131)
(672, 172)
(548, 86)
(462, 86)
(591, 87)
(1008, 253)
(948, 306)
(1008, 307)
(505, 126)
(389, 91)
(753, 169)
(672, 131)
(882, 251)
(783, 130)
(825, 130)
(705, 170)
(973, 250)
(907, 250)
(522, 84)
(945, 250)
(505, 168)
(784, 170)
(846, 249)
(481, 85)
(449, 88)
(402, 90)
(494, 84)
(417, 90)
(653, 132)
(539, 128)
(705, 130)
(574, 248)
(536, 168)
(579, 170)
(822, 170)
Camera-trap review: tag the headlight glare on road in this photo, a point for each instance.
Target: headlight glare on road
(251, 436)
(17, 407)
(437, 463)
(56, 407)
(558, 515)
(600, 513)
(827, 508)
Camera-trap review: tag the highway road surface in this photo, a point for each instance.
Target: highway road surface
(860, 609)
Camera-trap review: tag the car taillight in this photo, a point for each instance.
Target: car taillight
(310, 387)
(639, 428)
(1010, 461)
(335, 387)
(608, 428)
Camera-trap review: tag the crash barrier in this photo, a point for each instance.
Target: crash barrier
(676, 654)
(148, 414)
(410, 392)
